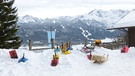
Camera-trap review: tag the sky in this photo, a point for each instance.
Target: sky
(56, 8)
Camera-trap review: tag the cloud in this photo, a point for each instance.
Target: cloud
(54, 8)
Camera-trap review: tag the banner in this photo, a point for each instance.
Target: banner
(50, 34)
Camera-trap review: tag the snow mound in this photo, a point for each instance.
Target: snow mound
(74, 64)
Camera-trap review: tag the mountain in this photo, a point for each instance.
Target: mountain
(89, 26)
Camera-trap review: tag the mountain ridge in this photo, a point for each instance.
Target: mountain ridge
(95, 22)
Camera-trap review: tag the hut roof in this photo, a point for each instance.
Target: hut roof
(126, 22)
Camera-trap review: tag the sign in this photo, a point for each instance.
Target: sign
(50, 34)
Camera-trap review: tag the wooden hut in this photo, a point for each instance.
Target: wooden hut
(127, 24)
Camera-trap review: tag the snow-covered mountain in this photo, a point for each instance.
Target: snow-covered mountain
(29, 19)
(91, 25)
(107, 17)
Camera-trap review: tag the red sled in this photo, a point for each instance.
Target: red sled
(13, 54)
(124, 49)
(85, 50)
(89, 57)
(54, 62)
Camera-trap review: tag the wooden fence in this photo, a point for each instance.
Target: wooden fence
(40, 48)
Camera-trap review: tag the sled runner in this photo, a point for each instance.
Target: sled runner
(13, 54)
(85, 50)
(23, 59)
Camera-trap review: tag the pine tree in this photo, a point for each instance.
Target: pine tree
(8, 25)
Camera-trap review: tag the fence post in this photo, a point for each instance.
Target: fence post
(30, 44)
(86, 41)
(52, 43)
(70, 42)
(79, 41)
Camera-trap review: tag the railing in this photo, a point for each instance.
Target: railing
(37, 47)
(113, 45)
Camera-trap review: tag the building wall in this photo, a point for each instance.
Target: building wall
(131, 36)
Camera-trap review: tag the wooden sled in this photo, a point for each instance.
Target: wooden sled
(54, 62)
(13, 54)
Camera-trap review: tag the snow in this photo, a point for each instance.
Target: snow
(108, 17)
(127, 21)
(107, 40)
(74, 64)
(85, 33)
(62, 26)
(28, 19)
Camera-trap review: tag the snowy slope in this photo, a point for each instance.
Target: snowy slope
(74, 64)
